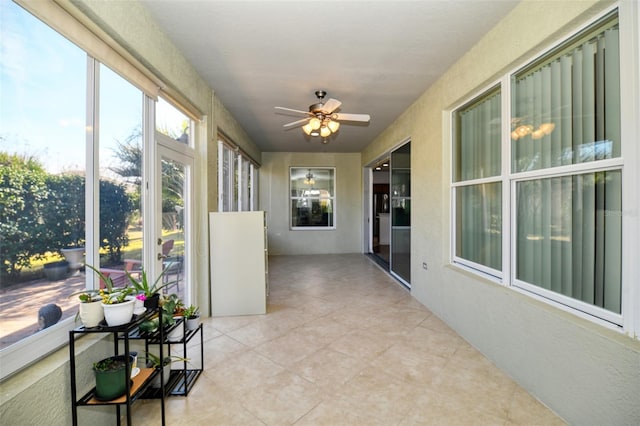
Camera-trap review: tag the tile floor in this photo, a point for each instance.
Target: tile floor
(343, 344)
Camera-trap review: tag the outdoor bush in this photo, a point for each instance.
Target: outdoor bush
(41, 212)
(23, 192)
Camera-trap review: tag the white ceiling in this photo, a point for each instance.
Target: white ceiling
(377, 57)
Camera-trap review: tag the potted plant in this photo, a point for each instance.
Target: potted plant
(192, 316)
(57, 270)
(172, 310)
(154, 361)
(151, 292)
(111, 377)
(117, 303)
(90, 309)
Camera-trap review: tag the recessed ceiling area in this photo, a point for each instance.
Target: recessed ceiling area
(376, 57)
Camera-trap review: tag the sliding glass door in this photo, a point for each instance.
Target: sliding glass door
(401, 213)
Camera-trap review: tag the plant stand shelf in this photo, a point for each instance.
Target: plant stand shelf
(135, 388)
(138, 382)
(180, 381)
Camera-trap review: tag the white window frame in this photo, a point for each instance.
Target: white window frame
(237, 194)
(333, 199)
(628, 321)
(488, 272)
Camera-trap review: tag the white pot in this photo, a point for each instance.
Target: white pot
(75, 257)
(118, 313)
(167, 372)
(193, 323)
(177, 333)
(91, 313)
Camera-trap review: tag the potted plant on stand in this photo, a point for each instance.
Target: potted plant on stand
(111, 377)
(192, 316)
(151, 292)
(117, 303)
(90, 309)
(154, 361)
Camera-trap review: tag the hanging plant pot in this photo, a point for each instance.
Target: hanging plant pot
(91, 314)
(111, 377)
(118, 313)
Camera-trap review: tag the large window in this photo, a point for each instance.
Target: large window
(478, 183)
(72, 148)
(313, 197)
(237, 179)
(563, 191)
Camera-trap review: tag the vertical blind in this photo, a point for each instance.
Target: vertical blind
(566, 111)
(478, 205)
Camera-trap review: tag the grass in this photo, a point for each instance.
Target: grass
(133, 250)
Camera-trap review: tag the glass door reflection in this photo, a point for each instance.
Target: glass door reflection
(401, 213)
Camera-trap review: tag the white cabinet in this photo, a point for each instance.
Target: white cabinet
(238, 250)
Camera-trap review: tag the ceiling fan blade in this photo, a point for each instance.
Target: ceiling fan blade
(331, 105)
(354, 117)
(296, 123)
(293, 110)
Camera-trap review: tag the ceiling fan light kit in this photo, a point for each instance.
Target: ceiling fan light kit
(322, 119)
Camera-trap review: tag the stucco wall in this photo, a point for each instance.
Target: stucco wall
(587, 373)
(274, 199)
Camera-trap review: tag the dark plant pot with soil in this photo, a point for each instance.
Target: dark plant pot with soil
(152, 302)
(111, 377)
(55, 271)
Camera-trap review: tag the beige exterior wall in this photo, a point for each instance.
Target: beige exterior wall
(586, 373)
(274, 199)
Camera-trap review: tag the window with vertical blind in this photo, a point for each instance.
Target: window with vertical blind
(478, 183)
(563, 187)
(566, 145)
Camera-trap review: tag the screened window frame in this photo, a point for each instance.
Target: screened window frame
(629, 318)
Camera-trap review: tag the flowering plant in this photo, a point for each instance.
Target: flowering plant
(111, 295)
(114, 296)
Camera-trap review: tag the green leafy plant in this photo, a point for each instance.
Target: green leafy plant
(191, 312)
(142, 285)
(155, 362)
(172, 305)
(111, 295)
(109, 364)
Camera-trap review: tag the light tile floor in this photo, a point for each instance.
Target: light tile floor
(343, 344)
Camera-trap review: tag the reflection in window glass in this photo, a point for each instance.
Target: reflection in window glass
(312, 197)
(173, 123)
(42, 166)
(566, 108)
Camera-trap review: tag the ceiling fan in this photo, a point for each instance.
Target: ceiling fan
(322, 118)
